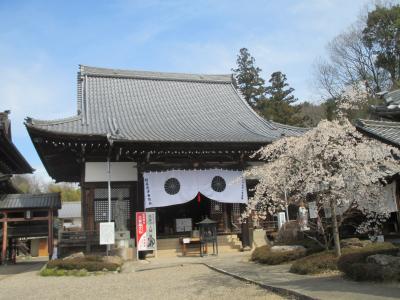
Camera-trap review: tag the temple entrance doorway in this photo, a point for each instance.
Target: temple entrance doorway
(181, 219)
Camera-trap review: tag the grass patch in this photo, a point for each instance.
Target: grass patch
(264, 255)
(327, 261)
(82, 263)
(61, 272)
(79, 266)
(74, 264)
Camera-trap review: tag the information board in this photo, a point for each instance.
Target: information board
(107, 233)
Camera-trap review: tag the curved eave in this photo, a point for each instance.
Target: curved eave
(16, 161)
(36, 133)
(41, 128)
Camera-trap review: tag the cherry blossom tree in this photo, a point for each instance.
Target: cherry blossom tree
(340, 167)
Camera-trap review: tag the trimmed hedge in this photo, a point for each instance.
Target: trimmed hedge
(315, 263)
(265, 256)
(356, 267)
(91, 264)
(327, 261)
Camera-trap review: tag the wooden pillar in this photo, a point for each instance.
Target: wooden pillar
(50, 236)
(4, 244)
(225, 216)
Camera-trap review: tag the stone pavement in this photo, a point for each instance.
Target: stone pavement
(318, 287)
(21, 267)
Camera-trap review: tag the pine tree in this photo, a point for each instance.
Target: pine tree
(382, 36)
(248, 78)
(277, 89)
(277, 105)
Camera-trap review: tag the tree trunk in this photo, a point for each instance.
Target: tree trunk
(335, 227)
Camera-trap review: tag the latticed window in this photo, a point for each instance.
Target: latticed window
(236, 209)
(101, 203)
(235, 215)
(216, 208)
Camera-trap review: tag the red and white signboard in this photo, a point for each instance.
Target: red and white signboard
(146, 231)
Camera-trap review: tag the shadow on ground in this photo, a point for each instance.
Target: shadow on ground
(20, 267)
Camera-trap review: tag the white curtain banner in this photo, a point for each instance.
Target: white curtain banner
(180, 186)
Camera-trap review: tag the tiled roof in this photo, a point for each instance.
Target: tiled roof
(391, 108)
(11, 160)
(388, 132)
(70, 210)
(163, 107)
(392, 97)
(20, 201)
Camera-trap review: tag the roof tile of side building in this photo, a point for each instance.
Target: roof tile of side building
(392, 97)
(388, 132)
(21, 201)
(163, 107)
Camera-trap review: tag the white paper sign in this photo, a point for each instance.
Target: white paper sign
(312, 210)
(281, 219)
(389, 197)
(107, 233)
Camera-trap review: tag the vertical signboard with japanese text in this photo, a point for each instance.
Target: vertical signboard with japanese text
(146, 231)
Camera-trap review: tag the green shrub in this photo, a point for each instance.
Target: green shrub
(81, 263)
(327, 261)
(265, 256)
(315, 263)
(356, 267)
(259, 251)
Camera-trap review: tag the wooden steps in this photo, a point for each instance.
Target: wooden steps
(171, 247)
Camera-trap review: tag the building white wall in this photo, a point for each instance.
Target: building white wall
(120, 171)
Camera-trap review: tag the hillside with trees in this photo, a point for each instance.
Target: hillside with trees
(360, 63)
(32, 184)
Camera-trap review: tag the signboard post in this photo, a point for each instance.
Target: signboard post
(146, 236)
(107, 233)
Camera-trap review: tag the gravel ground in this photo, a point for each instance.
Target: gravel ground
(183, 282)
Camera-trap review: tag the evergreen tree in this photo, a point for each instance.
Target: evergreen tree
(248, 78)
(382, 35)
(278, 104)
(279, 89)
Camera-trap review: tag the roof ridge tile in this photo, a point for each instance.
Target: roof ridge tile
(138, 74)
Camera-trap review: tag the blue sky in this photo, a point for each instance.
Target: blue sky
(43, 42)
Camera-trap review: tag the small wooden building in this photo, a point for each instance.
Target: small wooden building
(152, 122)
(21, 215)
(70, 216)
(386, 130)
